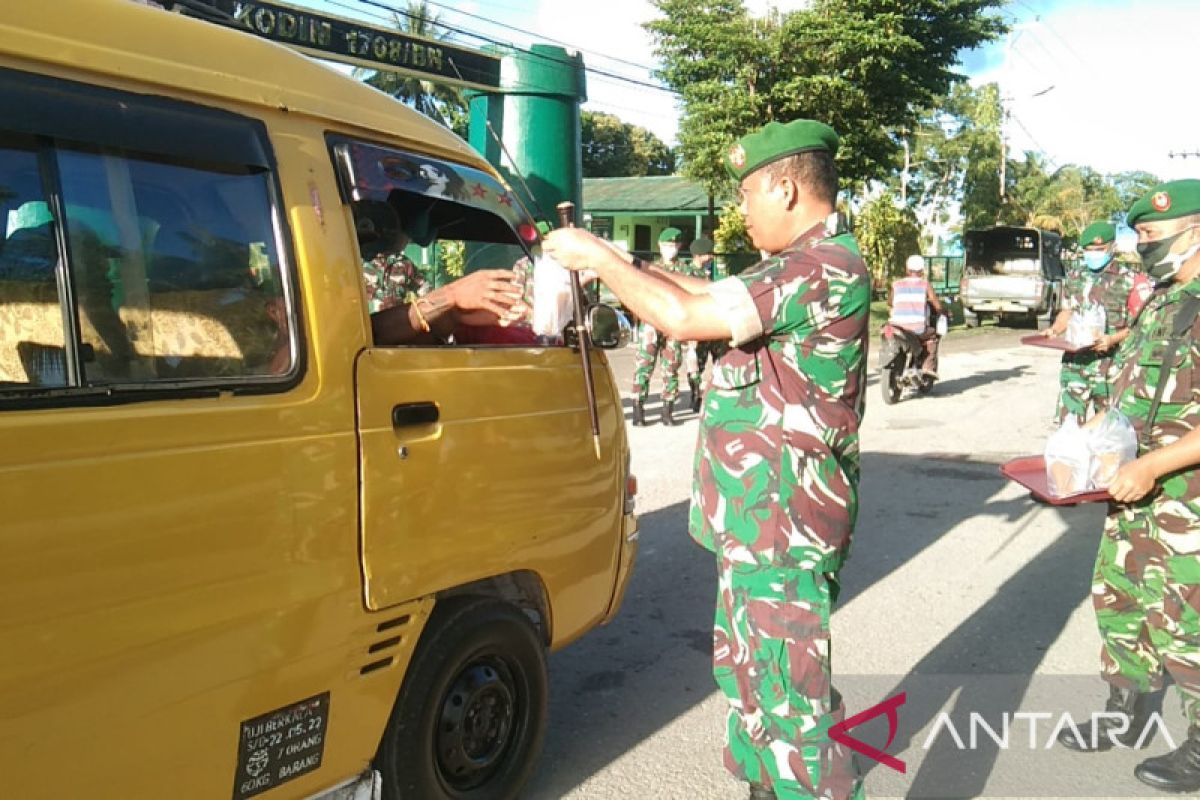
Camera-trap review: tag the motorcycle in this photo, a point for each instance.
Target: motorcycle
(900, 356)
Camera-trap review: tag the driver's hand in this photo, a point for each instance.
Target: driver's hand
(493, 291)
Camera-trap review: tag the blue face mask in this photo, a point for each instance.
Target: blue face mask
(1096, 260)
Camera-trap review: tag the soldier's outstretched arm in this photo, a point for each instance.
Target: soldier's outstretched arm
(666, 306)
(685, 282)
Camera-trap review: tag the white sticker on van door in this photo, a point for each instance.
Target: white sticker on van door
(276, 747)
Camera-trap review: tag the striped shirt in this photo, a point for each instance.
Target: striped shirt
(908, 304)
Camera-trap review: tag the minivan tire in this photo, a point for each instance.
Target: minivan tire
(471, 715)
(970, 320)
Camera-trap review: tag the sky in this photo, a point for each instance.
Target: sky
(1089, 82)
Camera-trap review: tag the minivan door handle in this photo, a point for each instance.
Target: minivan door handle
(408, 414)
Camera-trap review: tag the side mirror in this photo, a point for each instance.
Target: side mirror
(608, 328)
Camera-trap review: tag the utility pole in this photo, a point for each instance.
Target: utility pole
(904, 173)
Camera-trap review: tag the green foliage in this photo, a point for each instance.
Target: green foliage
(450, 258)
(730, 235)
(1066, 200)
(887, 234)
(438, 101)
(613, 149)
(862, 66)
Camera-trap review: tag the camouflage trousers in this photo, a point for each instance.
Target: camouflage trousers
(653, 346)
(1083, 388)
(771, 660)
(696, 356)
(1146, 592)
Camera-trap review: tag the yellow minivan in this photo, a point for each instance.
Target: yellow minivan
(245, 550)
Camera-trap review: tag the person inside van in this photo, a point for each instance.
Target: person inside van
(911, 300)
(404, 310)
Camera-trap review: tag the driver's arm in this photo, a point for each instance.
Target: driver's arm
(932, 298)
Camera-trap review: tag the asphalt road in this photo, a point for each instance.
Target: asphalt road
(961, 593)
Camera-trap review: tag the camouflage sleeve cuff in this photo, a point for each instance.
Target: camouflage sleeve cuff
(736, 306)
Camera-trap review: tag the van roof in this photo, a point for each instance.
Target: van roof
(166, 52)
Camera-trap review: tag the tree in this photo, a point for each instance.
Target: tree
(612, 148)
(438, 101)
(887, 234)
(863, 66)
(1066, 200)
(1132, 185)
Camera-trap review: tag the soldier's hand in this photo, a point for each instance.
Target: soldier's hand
(1103, 344)
(1134, 481)
(576, 249)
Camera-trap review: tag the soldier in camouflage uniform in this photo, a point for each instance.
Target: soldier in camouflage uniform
(697, 354)
(1146, 589)
(1104, 282)
(653, 345)
(776, 480)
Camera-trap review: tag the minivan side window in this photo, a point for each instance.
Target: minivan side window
(135, 270)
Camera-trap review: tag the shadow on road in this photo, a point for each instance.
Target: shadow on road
(959, 385)
(624, 682)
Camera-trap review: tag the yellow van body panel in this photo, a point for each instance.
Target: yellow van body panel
(170, 569)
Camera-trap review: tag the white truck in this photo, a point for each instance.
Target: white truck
(1011, 273)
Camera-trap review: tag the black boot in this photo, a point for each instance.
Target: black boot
(1137, 708)
(639, 412)
(760, 792)
(668, 412)
(695, 384)
(1177, 771)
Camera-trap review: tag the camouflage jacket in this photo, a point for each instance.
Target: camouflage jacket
(1138, 370)
(1110, 288)
(776, 474)
(391, 279)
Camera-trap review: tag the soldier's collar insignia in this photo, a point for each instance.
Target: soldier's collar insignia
(737, 156)
(1161, 202)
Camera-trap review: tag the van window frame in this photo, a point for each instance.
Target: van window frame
(180, 133)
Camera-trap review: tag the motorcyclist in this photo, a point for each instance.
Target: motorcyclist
(911, 298)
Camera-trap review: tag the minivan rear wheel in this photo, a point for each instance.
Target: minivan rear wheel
(471, 716)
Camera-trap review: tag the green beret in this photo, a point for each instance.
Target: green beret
(702, 246)
(670, 235)
(777, 140)
(1167, 201)
(1098, 233)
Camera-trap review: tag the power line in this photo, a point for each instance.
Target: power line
(498, 42)
(535, 35)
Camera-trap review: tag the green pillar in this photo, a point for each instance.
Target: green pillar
(536, 114)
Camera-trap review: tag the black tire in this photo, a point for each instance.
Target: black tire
(889, 382)
(471, 715)
(970, 320)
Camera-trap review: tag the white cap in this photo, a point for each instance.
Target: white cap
(915, 263)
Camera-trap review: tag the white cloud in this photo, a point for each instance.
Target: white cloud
(1122, 96)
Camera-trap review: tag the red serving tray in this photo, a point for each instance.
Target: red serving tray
(1037, 340)
(1030, 472)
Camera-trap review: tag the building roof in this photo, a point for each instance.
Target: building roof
(643, 195)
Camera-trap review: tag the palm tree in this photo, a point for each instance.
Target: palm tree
(438, 101)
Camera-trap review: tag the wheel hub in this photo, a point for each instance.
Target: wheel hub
(476, 724)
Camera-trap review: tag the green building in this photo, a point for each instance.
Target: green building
(633, 211)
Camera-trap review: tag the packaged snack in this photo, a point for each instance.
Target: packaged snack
(1087, 324)
(1112, 442)
(1068, 459)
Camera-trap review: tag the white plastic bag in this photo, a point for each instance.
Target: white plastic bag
(942, 325)
(552, 308)
(1113, 443)
(1068, 459)
(1086, 325)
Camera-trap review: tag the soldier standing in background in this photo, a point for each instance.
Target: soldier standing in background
(653, 345)
(1101, 282)
(775, 494)
(697, 354)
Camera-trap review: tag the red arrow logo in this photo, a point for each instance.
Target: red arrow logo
(838, 732)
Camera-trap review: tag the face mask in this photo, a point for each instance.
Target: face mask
(1096, 260)
(1160, 264)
